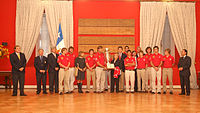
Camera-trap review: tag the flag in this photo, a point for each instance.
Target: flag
(60, 41)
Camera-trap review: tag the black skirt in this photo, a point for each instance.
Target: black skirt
(81, 75)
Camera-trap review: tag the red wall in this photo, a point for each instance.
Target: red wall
(105, 9)
(82, 9)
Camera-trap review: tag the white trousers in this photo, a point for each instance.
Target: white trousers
(148, 77)
(100, 82)
(71, 78)
(156, 74)
(130, 75)
(108, 76)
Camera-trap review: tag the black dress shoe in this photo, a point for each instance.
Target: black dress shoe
(182, 94)
(152, 92)
(164, 92)
(101, 92)
(66, 92)
(132, 91)
(38, 92)
(127, 92)
(45, 92)
(187, 94)
(14, 94)
(171, 93)
(94, 92)
(159, 92)
(23, 95)
(106, 90)
(60, 93)
(86, 91)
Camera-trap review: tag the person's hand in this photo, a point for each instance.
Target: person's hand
(180, 69)
(105, 68)
(84, 69)
(21, 69)
(156, 68)
(90, 69)
(56, 68)
(66, 68)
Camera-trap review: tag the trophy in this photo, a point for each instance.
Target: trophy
(109, 65)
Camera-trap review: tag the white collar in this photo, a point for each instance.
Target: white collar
(17, 53)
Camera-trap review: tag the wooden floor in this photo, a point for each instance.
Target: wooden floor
(99, 103)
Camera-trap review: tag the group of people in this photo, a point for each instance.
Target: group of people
(136, 67)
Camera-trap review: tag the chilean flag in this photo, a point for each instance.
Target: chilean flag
(60, 41)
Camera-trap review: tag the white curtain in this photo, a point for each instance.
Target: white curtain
(28, 22)
(182, 22)
(167, 39)
(60, 12)
(43, 39)
(152, 19)
(183, 26)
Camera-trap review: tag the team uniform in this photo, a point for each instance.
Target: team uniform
(63, 75)
(156, 59)
(72, 58)
(168, 62)
(100, 73)
(90, 60)
(141, 66)
(129, 73)
(148, 75)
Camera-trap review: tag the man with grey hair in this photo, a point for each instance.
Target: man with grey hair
(53, 68)
(40, 64)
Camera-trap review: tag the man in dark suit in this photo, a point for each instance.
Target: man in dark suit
(53, 69)
(40, 64)
(121, 58)
(18, 62)
(184, 65)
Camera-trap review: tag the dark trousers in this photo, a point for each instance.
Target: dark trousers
(113, 81)
(39, 77)
(136, 83)
(18, 77)
(53, 78)
(185, 80)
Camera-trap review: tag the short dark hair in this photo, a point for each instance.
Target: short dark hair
(129, 51)
(16, 46)
(99, 47)
(120, 47)
(147, 49)
(91, 50)
(63, 49)
(155, 47)
(80, 52)
(126, 47)
(70, 47)
(185, 51)
(168, 50)
(141, 52)
(133, 51)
